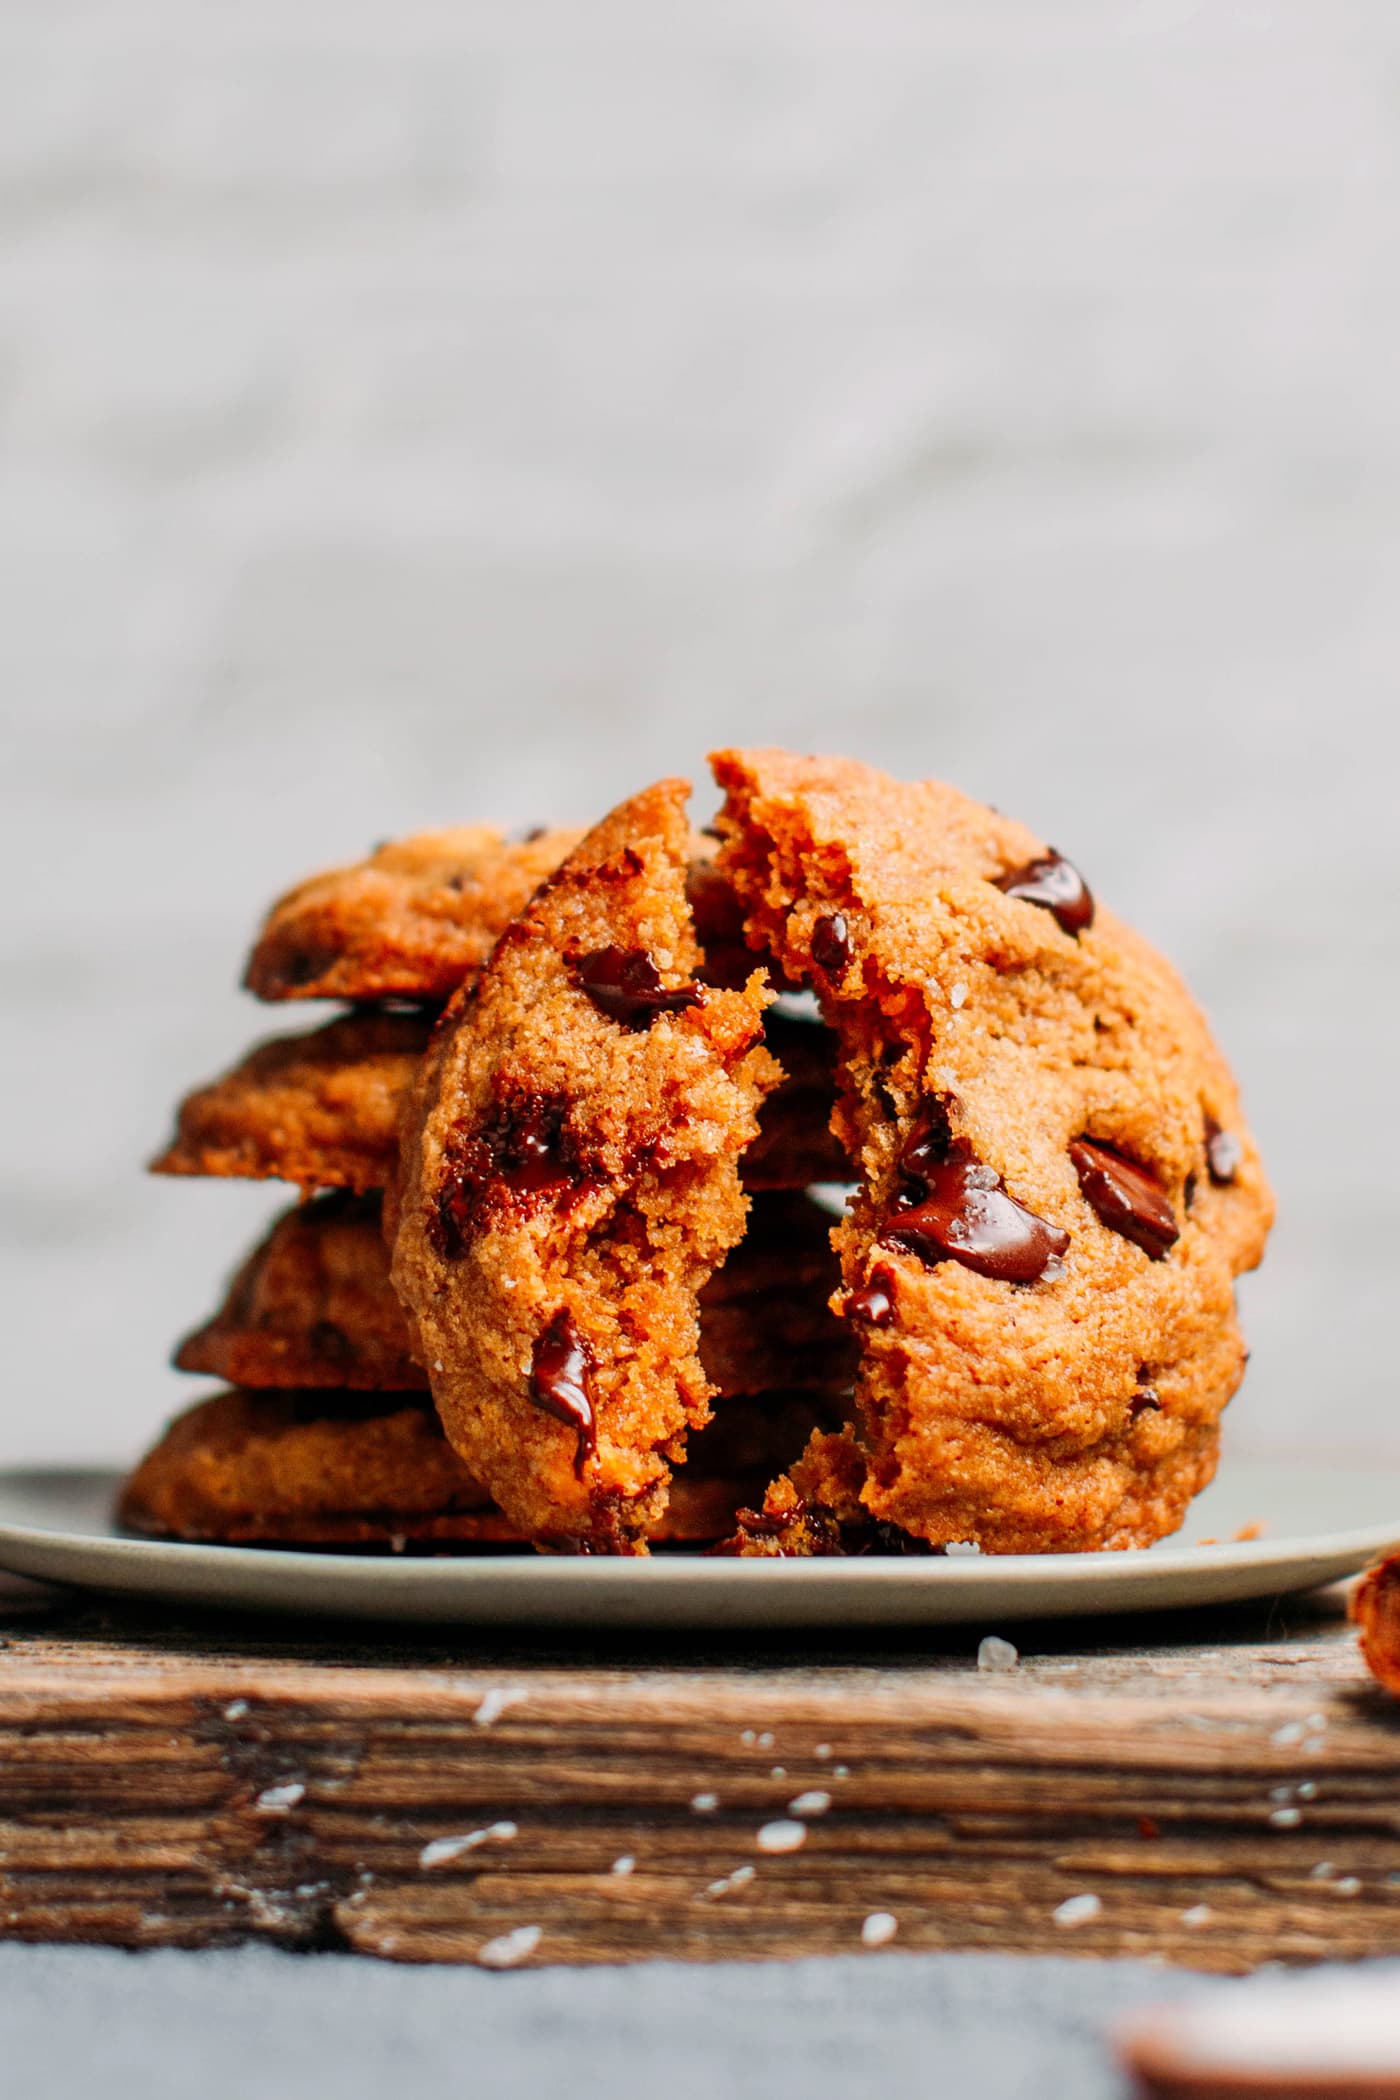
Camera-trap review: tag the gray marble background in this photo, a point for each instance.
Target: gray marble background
(420, 412)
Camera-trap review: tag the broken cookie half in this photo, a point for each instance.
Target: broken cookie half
(570, 1181)
(1055, 1187)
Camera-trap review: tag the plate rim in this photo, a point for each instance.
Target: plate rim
(1133, 1566)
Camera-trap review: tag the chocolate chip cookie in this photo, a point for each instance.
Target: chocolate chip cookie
(322, 1109)
(413, 921)
(313, 1306)
(362, 1470)
(1057, 1187)
(319, 1109)
(570, 1182)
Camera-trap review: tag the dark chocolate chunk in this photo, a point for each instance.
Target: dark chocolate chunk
(559, 1384)
(525, 1150)
(1144, 1401)
(831, 943)
(1125, 1197)
(624, 984)
(1224, 1153)
(1057, 886)
(930, 1143)
(874, 1301)
(967, 1216)
(953, 1208)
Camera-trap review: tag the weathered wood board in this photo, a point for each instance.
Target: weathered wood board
(1225, 1787)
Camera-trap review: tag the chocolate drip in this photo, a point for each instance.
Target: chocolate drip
(624, 984)
(1057, 886)
(559, 1384)
(1125, 1197)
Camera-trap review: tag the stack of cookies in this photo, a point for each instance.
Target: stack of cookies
(564, 1270)
(326, 1434)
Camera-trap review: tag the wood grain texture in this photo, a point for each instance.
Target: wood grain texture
(1227, 1787)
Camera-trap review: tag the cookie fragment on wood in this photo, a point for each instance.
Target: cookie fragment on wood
(1375, 1610)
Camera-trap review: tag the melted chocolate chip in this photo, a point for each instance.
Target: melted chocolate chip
(1224, 1153)
(952, 1208)
(831, 943)
(1144, 1401)
(1125, 1197)
(624, 984)
(1057, 886)
(559, 1384)
(525, 1150)
(967, 1216)
(874, 1301)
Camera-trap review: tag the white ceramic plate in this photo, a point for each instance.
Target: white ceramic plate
(1318, 1523)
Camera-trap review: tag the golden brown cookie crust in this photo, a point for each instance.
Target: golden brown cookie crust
(570, 1182)
(1073, 1412)
(415, 920)
(242, 1467)
(322, 1110)
(312, 1305)
(319, 1109)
